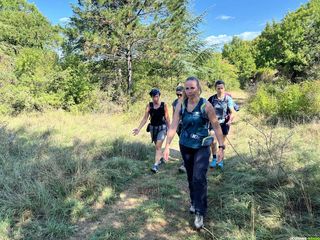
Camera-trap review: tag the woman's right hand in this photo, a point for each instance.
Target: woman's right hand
(166, 153)
(220, 155)
(135, 131)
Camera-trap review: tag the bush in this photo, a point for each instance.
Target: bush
(266, 75)
(290, 102)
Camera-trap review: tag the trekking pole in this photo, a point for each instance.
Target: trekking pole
(207, 230)
(244, 159)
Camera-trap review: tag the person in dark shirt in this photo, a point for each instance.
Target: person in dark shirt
(159, 123)
(179, 93)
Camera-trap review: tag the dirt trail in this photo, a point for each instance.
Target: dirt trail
(122, 214)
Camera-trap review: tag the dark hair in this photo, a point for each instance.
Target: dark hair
(154, 92)
(179, 89)
(218, 82)
(197, 80)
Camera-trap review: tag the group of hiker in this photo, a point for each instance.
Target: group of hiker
(202, 126)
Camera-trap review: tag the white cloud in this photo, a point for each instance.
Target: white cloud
(224, 17)
(248, 35)
(222, 39)
(218, 40)
(64, 20)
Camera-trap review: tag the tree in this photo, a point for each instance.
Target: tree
(292, 45)
(120, 33)
(216, 68)
(22, 25)
(241, 54)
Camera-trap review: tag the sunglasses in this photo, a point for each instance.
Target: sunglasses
(179, 95)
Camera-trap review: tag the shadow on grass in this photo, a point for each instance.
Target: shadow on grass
(244, 202)
(46, 187)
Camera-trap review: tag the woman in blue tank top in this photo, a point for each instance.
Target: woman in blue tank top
(196, 114)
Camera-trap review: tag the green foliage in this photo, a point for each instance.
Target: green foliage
(217, 68)
(292, 102)
(240, 53)
(264, 101)
(291, 45)
(117, 38)
(265, 75)
(21, 24)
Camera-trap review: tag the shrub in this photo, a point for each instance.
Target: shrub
(291, 102)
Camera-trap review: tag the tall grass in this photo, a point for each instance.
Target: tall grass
(54, 169)
(58, 168)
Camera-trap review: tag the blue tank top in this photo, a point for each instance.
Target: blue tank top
(194, 125)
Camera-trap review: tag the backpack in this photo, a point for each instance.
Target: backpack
(206, 141)
(227, 112)
(236, 107)
(202, 108)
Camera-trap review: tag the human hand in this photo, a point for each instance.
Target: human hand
(135, 131)
(166, 154)
(220, 155)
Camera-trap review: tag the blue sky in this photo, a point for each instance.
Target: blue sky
(223, 18)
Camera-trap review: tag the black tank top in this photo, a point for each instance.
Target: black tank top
(157, 116)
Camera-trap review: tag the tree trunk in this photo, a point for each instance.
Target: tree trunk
(129, 65)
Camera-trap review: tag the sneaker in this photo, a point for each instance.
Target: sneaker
(192, 210)
(220, 165)
(162, 161)
(182, 169)
(213, 164)
(155, 168)
(198, 221)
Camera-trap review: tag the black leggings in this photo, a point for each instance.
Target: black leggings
(196, 162)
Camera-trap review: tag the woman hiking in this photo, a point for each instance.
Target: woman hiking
(179, 93)
(196, 114)
(159, 123)
(224, 108)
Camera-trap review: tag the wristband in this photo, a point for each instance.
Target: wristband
(222, 146)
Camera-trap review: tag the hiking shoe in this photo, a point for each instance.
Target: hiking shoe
(162, 161)
(198, 221)
(213, 164)
(220, 165)
(155, 168)
(182, 169)
(192, 210)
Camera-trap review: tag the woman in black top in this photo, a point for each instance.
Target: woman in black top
(159, 123)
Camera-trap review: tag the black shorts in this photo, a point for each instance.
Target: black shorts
(225, 128)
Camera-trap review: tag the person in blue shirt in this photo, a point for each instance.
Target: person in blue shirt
(195, 114)
(224, 108)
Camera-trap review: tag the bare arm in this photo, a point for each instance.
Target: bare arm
(143, 121)
(214, 122)
(232, 115)
(217, 129)
(166, 115)
(172, 112)
(172, 130)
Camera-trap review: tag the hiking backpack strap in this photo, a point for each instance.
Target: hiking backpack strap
(202, 107)
(150, 110)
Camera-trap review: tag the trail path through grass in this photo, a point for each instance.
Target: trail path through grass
(153, 206)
